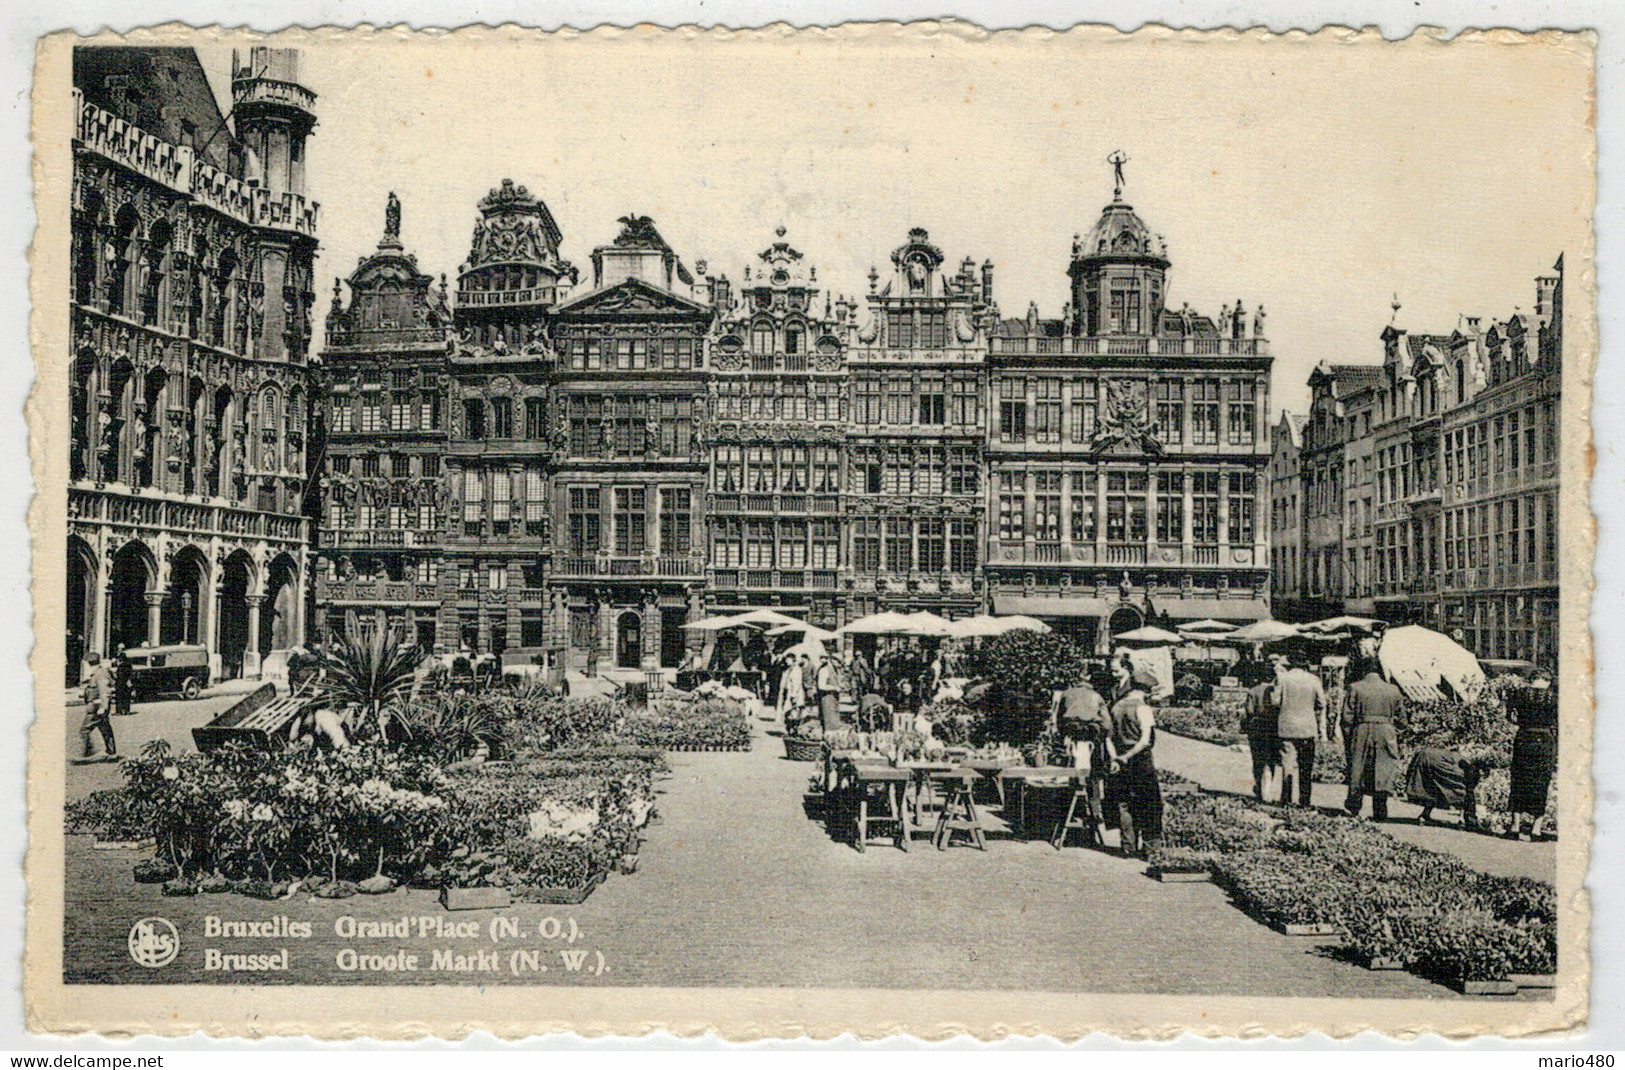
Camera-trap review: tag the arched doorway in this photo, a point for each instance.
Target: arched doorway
(279, 615)
(81, 605)
(1124, 619)
(629, 640)
(133, 574)
(231, 633)
(182, 617)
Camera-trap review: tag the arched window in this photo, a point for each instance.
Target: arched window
(121, 250)
(87, 236)
(155, 265)
(223, 288)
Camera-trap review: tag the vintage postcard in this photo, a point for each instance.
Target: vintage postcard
(884, 528)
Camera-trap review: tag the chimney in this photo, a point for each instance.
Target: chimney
(1545, 291)
(987, 282)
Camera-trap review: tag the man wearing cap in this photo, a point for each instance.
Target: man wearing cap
(99, 698)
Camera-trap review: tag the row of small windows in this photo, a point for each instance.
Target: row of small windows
(632, 354)
(1035, 410)
(1127, 507)
(396, 465)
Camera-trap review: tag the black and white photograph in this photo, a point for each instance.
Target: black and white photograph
(941, 528)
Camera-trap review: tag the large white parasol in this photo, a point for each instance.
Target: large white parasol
(1261, 631)
(1419, 659)
(883, 623)
(1148, 634)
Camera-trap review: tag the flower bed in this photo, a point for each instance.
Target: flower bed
(688, 724)
(365, 818)
(1211, 724)
(1392, 901)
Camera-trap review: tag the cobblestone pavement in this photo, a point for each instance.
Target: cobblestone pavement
(739, 886)
(1224, 769)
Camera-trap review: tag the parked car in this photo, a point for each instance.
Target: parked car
(167, 670)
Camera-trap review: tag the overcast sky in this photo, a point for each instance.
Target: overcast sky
(1314, 177)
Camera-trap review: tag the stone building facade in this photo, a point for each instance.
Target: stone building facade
(626, 454)
(779, 508)
(192, 249)
(1127, 450)
(1448, 492)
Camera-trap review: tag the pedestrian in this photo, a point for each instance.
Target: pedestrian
(98, 699)
(123, 683)
(829, 694)
(1534, 754)
(1133, 785)
(1262, 725)
(1078, 707)
(1300, 723)
(1373, 748)
(792, 693)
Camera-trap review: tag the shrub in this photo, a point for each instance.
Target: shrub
(1028, 667)
(1213, 724)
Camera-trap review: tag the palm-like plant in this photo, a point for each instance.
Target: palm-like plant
(368, 678)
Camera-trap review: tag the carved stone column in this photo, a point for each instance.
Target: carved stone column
(251, 653)
(155, 610)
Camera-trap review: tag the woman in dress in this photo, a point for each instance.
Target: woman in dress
(1534, 754)
(1133, 786)
(791, 692)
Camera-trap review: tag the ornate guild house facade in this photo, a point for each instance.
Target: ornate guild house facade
(192, 248)
(564, 470)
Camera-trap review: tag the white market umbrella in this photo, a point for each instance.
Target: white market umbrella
(766, 618)
(813, 648)
(1206, 627)
(712, 624)
(811, 631)
(1338, 624)
(1149, 634)
(928, 624)
(1418, 659)
(1261, 631)
(977, 627)
(1018, 622)
(883, 623)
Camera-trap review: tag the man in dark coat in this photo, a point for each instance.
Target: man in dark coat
(1373, 708)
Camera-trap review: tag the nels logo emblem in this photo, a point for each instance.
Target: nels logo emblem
(154, 942)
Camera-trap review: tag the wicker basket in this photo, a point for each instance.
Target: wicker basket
(803, 750)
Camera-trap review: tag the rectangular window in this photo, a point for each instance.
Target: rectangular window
(1205, 412)
(501, 499)
(899, 411)
(759, 474)
(1242, 416)
(933, 330)
(900, 329)
(496, 578)
(429, 465)
(502, 418)
(535, 419)
(1085, 409)
(369, 464)
(792, 549)
(729, 477)
(1047, 410)
(675, 520)
(866, 474)
(473, 419)
(630, 518)
(400, 466)
(933, 548)
(759, 544)
(728, 547)
(962, 546)
(1243, 502)
(400, 412)
(866, 401)
(372, 416)
(826, 473)
(826, 401)
(1205, 508)
(826, 544)
(1082, 516)
(966, 399)
(1047, 506)
(1012, 410)
(964, 471)
(1170, 411)
(585, 517)
(1012, 505)
(343, 416)
(793, 399)
(866, 544)
(1170, 508)
(933, 405)
(899, 545)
